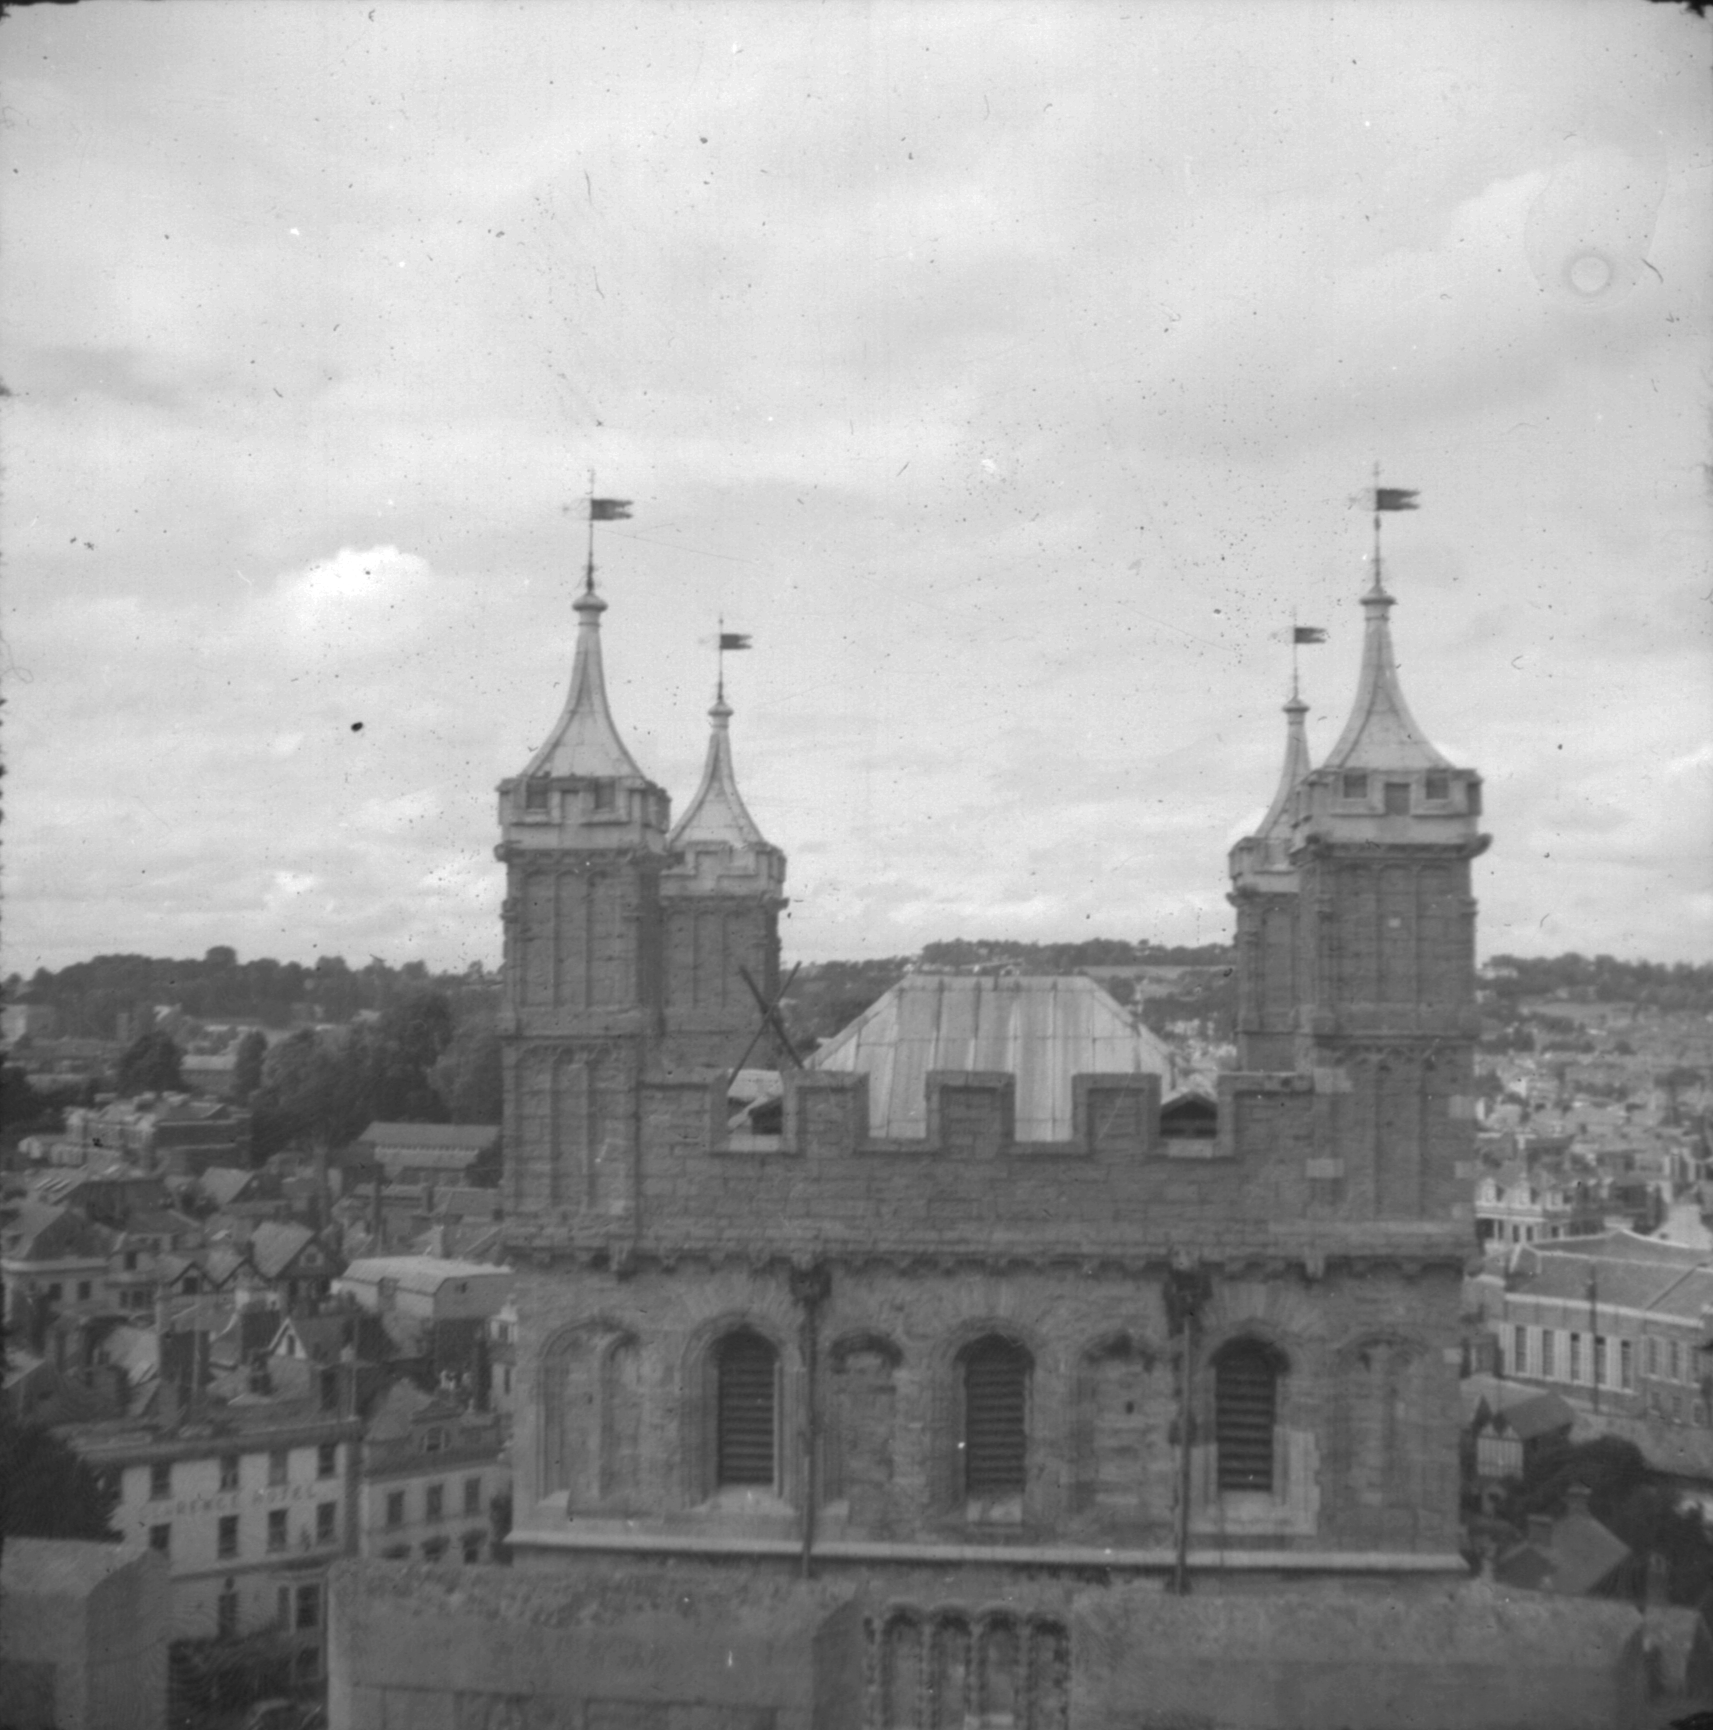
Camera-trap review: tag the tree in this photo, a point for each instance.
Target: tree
(247, 1069)
(467, 1075)
(410, 1037)
(151, 1064)
(314, 1091)
(47, 1490)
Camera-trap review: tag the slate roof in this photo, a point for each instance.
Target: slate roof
(224, 1184)
(276, 1244)
(418, 1273)
(324, 1338)
(1580, 1553)
(1628, 1271)
(473, 1137)
(1041, 1030)
(38, 1232)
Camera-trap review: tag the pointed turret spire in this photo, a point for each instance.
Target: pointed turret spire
(1381, 732)
(582, 788)
(717, 815)
(1267, 851)
(585, 741)
(1277, 822)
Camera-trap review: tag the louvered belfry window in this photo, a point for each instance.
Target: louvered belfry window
(747, 1370)
(996, 1385)
(1246, 1384)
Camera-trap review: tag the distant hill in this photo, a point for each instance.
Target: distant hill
(89, 997)
(1679, 985)
(1172, 983)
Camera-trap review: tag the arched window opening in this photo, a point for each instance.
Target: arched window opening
(1246, 1397)
(621, 1417)
(1189, 1117)
(747, 1371)
(901, 1674)
(996, 1391)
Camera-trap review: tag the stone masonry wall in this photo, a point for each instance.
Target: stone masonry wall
(1275, 1177)
(629, 1646)
(1367, 1404)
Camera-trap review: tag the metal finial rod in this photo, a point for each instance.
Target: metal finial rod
(1377, 583)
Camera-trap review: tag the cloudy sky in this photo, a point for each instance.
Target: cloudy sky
(1005, 370)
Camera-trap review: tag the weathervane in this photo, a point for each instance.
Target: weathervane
(600, 511)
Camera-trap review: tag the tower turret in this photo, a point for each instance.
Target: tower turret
(583, 840)
(583, 788)
(722, 895)
(1382, 835)
(1264, 893)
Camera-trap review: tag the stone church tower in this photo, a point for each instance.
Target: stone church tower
(1134, 1349)
(584, 835)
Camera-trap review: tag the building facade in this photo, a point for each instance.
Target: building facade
(434, 1468)
(1120, 1348)
(249, 1505)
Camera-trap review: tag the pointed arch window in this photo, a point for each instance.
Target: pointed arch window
(1246, 1402)
(746, 1371)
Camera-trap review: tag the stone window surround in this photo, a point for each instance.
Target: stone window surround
(1290, 1509)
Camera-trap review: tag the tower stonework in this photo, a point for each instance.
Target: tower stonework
(583, 841)
(954, 1368)
(1382, 837)
(1265, 896)
(722, 897)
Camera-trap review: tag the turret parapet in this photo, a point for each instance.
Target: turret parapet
(582, 790)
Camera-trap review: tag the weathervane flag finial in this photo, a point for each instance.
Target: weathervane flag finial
(600, 511)
(729, 643)
(1378, 499)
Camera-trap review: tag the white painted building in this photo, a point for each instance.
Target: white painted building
(432, 1471)
(250, 1504)
(430, 1287)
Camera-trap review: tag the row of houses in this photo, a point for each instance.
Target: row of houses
(255, 1446)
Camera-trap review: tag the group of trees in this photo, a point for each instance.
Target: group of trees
(89, 996)
(46, 1489)
(1679, 985)
(1635, 1502)
(416, 1063)
(826, 996)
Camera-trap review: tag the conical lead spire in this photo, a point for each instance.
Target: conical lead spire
(584, 741)
(1262, 860)
(1381, 732)
(717, 815)
(1277, 822)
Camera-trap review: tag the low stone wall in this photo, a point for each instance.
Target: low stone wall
(608, 1644)
(83, 1636)
(598, 1648)
(1463, 1657)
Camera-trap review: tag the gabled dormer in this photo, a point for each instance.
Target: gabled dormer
(582, 791)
